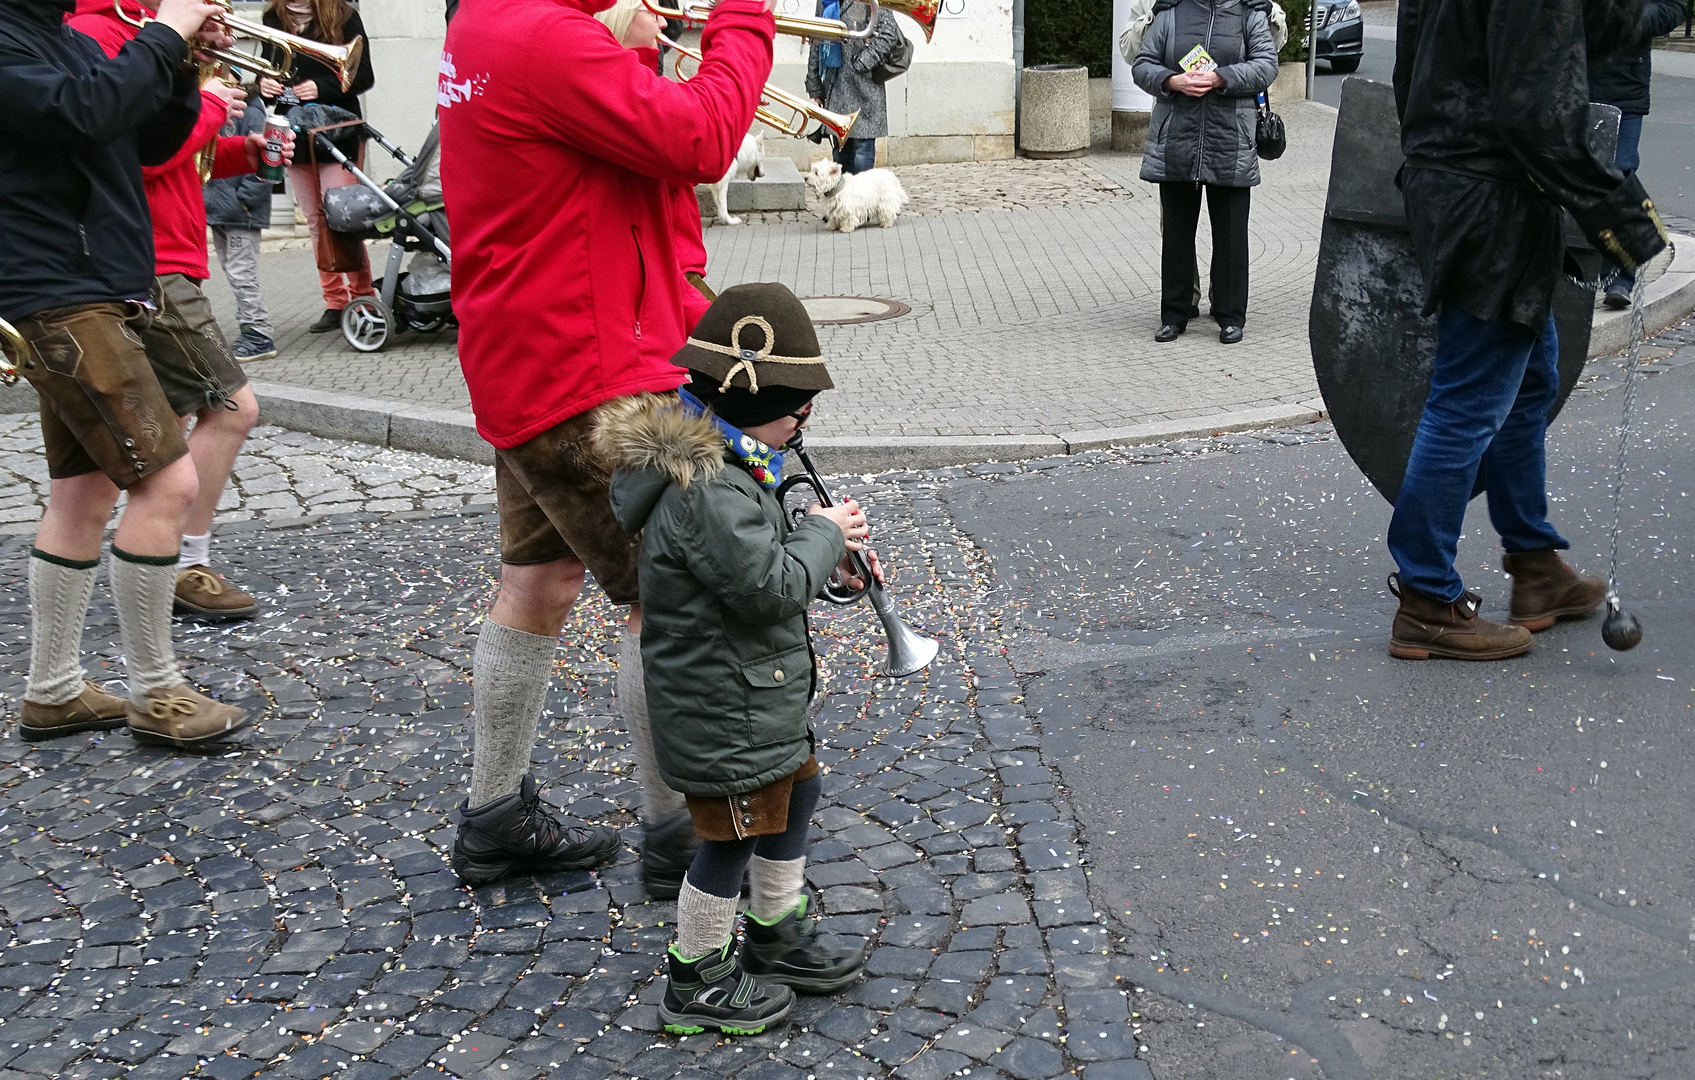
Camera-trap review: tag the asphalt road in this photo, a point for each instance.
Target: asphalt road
(1319, 862)
(1668, 133)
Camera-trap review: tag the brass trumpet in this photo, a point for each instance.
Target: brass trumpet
(802, 112)
(922, 12)
(342, 59)
(9, 336)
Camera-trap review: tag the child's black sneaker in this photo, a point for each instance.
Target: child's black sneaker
(788, 952)
(715, 992)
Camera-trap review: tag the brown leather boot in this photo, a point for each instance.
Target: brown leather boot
(92, 710)
(1425, 627)
(202, 592)
(1546, 588)
(182, 716)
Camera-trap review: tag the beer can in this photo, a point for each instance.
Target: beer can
(271, 161)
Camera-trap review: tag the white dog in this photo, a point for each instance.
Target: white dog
(855, 199)
(745, 167)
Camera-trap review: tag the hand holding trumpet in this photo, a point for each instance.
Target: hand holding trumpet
(196, 22)
(856, 531)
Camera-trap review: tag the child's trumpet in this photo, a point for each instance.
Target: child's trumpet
(909, 651)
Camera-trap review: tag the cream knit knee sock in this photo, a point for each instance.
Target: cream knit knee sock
(704, 922)
(59, 589)
(774, 887)
(659, 801)
(509, 674)
(143, 589)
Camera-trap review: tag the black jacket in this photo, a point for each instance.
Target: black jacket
(1494, 107)
(241, 201)
(329, 84)
(75, 129)
(1622, 79)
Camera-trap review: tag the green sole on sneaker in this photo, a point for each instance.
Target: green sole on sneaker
(684, 1024)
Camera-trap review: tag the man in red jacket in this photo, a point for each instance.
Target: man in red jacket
(188, 352)
(560, 150)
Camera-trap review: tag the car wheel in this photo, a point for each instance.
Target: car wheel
(1344, 65)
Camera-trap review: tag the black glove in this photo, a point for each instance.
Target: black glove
(1625, 226)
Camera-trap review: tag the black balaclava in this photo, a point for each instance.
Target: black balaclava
(742, 408)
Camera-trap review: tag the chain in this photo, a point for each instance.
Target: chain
(1632, 358)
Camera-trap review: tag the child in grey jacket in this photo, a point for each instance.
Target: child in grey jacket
(238, 208)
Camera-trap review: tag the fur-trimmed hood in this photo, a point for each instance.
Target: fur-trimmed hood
(650, 442)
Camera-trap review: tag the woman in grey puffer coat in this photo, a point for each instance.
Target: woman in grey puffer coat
(1202, 135)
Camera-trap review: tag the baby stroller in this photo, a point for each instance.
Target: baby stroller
(408, 211)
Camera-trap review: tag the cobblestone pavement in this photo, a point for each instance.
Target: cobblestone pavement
(286, 908)
(1034, 293)
(280, 476)
(978, 187)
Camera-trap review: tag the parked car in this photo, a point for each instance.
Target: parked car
(1341, 34)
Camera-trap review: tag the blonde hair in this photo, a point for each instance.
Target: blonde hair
(619, 16)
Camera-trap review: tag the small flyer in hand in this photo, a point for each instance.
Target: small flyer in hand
(1198, 59)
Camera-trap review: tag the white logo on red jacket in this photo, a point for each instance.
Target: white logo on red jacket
(450, 90)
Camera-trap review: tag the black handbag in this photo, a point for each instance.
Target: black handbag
(896, 63)
(1269, 137)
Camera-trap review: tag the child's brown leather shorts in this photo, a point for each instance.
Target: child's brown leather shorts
(757, 813)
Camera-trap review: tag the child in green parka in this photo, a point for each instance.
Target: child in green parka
(725, 583)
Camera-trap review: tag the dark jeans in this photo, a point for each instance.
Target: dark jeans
(718, 864)
(1490, 392)
(1628, 158)
(857, 155)
(1180, 280)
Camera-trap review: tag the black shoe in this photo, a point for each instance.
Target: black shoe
(1169, 332)
(516, 833)
(787, 952)
(1230, 335)
(328, 321)
(714, 991)
(668, 846)
(1617, 298)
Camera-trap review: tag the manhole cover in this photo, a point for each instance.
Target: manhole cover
(840, 310)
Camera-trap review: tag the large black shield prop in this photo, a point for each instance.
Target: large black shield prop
(1371, 349)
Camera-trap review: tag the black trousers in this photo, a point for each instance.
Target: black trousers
(1180, 279)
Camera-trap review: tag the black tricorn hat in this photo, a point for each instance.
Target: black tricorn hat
(756, 335)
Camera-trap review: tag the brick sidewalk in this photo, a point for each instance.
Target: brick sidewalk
(1024, 321)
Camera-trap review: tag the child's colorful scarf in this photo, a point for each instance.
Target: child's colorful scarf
(762, 462)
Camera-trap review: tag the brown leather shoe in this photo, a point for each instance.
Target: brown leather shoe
(183, 716)
(1425, 627)
(92, 710)
(206, 594)
(1546, 588)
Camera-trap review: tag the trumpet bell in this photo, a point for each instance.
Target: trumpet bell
(909, 651)
(11, 339)
(922, 12)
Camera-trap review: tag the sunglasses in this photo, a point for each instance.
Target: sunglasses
(803, 413)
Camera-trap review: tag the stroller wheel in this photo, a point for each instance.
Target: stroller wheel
(432, 324)
(367, 324)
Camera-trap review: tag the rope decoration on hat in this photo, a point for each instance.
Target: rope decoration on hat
(747, 358)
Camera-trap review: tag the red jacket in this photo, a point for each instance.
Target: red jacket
(560, 152)
(175, 196)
